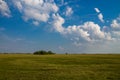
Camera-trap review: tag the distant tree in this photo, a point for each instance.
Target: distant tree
(66, 53)
(50, 52)
(42, 52)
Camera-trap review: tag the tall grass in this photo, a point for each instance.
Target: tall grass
(59, 67)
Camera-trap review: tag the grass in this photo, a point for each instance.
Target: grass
(59, 67)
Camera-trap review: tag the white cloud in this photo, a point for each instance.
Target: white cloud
(97, 10)
(57, 23)
(36, 23)
(100, 16)
(4, 9)
(18, 4)
(69, 11)
(94, 30)
(115, 24)
(35, 15)
(77, 33)
(36, 10)
(89, 31)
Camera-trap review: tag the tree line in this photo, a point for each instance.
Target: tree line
(42, 52)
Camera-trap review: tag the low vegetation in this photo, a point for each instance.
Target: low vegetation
(59, 67)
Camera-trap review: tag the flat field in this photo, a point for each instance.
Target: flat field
(60, 67)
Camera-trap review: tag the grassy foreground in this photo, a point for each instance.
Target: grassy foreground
(59, 67)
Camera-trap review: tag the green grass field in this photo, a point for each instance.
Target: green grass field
(59, 67)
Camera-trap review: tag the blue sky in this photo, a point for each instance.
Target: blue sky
(73, 26)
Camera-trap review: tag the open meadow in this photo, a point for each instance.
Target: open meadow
(60, 67)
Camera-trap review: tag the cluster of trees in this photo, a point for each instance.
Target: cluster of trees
(42, 52)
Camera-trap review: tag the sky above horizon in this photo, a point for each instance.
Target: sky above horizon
(73, 26)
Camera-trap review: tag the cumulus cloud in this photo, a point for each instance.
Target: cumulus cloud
(87, 32)
(69, 11)
(57, 23)
(100, 15)
(36, 10)
(4, 9)
(115, 26)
